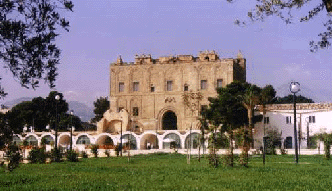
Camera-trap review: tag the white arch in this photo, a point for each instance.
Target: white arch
(113, 137)
(159, 137)
(45, 134)
(36, 136)
(169, 132)
(92, 139)
(19, 136)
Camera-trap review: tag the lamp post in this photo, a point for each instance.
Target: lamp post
(307, 121)
(294, 88)
(71, 114)
(121, 139)
(157, 146)
(57, 97)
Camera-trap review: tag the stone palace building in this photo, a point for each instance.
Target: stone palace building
(146, 96)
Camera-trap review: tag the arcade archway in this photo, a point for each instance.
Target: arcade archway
(106, 141)
(195, 141)
(171, 140)
(149, 141)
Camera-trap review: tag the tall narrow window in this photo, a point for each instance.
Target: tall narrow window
(136, 86)
(203, 84)
(120, 108)
(185, 87)
(121, 86)
(219, 83)
(169, 85)
(152, 88)
(311, 119)
(266, 120)
(135, 111)
(288, 120)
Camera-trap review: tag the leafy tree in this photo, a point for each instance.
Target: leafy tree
(327, 140)
(101, 105)
(227, 113)
(273, 140)
(6, 133)
(289, 99)
(65, 122)
(284, 9)
(28, 30)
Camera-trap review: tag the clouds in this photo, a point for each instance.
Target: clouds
(296, 70)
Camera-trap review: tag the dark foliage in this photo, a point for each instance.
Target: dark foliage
(84, 154)
(38, 155)
(28, 30)
(289, 99)
(284, 9)
(56, 155)
(14, 157)
(101, 105)
(71, 156)
(94, 150)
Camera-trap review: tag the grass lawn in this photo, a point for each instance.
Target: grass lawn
(171, 172)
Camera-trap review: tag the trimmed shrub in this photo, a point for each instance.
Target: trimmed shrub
(72, 156)
(56, 155)
(38, 155)
(107, 153)
(117, 149)
(84, 154)
(14, 157)
(94, 150)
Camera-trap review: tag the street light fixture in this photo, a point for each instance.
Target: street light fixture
(71, 128)
(294, 88)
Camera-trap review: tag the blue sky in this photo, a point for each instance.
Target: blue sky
(101, 30)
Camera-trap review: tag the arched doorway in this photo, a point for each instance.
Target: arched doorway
(169, 121)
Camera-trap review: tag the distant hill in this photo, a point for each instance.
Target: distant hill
(80, 109)
(14, 102)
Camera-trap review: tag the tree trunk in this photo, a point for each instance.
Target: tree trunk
(251, 125)
(231, 149)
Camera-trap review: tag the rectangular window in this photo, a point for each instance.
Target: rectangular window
(311, 119)
(120, 108)
(203, 84)
(219, 83)
(266, 120)
(152, 88)
(136, 86)
(121, 86)
(288, 120)
(135, 111)
(185, 87)
(169, 85)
